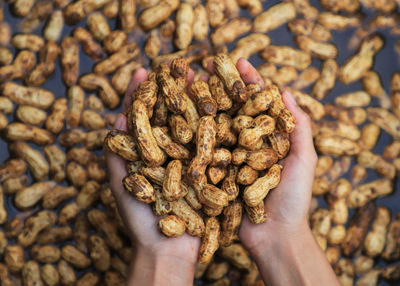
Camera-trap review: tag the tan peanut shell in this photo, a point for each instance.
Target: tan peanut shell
(193, 222)
(171, 226)
(226, 70)
(209, 243)
(139, 187)
(147, 146)
(236, 255)
(230, 223)
(123, 144)
(255, 193)
(358, 228)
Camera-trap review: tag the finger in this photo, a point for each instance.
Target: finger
(248, 73)
(210, 66)
(301, 139)
(138, 77)
(190, 77)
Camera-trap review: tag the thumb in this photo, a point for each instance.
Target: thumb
(301, 139)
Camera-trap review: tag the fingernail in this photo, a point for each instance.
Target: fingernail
(289, 97)
(119, 121)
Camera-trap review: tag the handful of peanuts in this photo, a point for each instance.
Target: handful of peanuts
(64, 65)
(212, 146)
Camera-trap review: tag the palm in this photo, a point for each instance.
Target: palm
(138, 217)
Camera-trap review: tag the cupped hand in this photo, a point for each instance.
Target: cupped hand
(138, 217)
(287, 205)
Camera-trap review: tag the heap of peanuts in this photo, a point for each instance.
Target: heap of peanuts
(66, 64)
(205, 151)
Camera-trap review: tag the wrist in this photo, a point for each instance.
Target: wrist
(278, 239)
(149, 268)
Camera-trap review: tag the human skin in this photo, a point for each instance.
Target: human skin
(283, 247)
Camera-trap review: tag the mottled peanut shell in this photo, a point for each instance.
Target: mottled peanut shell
(172, 93)
(70, 60)
(19, 131)
(216, 174)
(29, 196)
(99, 253)
(172, 190)
(123, 144)
(34, 225)
(361, 62)
(336, 145)
(57, 195)
(228, 32)
(74, 256)
(171, 226)
(258, 102)
(140, 188)
(205, 142)
(161, 205)
(14, 258)
(236, 255)
(31, 96)
(230, 223)
(29, 115)
(259, 160)
(193, 222)
(246, 175)
(358, 228)
(118, 59)
(251, 138)
(35, 160)
(256, 214)
(67, 273)
(209, 243)
(213, 197)
(223, 101)
(364, 193)
(50, 275)
(165, 142)
(89, 278)
(225, 135)
(206, 104)
(147, 146)
(180, 129)
(147, 93)
(385, 120)
(184, 26)
(31, 273)
(156, 14)
(45, 253)
(376, 239)
(392, 247)
(287, 56)
(274, 17)
(226, 70)
(255, 193)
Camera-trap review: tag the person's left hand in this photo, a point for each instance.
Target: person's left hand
(150, 247)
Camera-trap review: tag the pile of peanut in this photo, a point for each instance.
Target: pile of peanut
(187, 153)
(65, 66)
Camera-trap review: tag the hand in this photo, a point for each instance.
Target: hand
(283, 247)
(157, 256)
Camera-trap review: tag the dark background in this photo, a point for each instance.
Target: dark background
(386, 63)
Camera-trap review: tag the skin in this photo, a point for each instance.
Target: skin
(283, 247)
